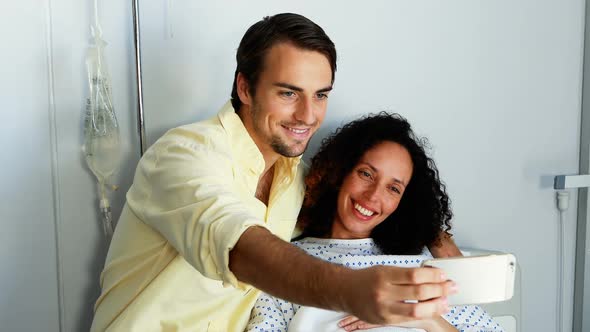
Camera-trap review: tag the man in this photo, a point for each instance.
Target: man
(214, 203)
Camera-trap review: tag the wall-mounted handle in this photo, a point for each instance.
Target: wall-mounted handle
(571, 181)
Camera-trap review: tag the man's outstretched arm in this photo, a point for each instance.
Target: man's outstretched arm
(375, 295)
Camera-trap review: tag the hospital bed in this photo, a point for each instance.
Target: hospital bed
(506, 313)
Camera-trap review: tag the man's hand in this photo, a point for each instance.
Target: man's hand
(390, 295)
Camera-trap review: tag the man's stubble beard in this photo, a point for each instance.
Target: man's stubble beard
(276, 143)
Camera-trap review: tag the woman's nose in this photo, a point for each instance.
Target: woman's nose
(372, 192)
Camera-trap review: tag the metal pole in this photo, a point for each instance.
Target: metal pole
(137, 41)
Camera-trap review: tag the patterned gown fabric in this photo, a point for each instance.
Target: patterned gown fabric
(271, 314)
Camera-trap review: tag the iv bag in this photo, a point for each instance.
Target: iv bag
(101, 130)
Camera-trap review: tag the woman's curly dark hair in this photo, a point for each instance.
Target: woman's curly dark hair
(424, 210)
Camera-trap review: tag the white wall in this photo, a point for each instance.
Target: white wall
(27, 241)
(495, 85)
(49, 199)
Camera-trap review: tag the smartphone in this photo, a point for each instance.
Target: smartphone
(481, 279)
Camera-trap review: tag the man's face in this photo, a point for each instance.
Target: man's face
(290, 100)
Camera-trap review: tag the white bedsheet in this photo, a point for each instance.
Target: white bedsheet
(313, 319)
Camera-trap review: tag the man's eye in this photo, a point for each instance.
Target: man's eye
(395, 190)
(321, 95)
(288, 93)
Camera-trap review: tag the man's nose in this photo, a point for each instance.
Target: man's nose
(305, 112)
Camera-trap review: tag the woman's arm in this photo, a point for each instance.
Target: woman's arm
(271, 313)
(472, 318)
(437, 324)
(445, 248)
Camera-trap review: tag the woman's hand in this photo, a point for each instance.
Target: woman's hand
(352, 323)
(437, 324)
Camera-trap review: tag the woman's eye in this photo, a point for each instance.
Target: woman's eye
(364, 174)
(395, 190)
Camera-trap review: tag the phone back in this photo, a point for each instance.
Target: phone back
(481, 279)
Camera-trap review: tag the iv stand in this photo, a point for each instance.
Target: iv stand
(137, 41)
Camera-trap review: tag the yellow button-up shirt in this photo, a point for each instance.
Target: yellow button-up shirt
(192, 197)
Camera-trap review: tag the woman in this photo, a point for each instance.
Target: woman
(373, 197)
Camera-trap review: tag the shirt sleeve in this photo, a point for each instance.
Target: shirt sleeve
(471, 318)
(271, 314)
(186, 192)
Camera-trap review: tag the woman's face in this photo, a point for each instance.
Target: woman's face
(372, 191)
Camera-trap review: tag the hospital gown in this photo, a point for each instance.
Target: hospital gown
(271, 314)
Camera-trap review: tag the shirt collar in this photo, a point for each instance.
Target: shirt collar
(243, 146)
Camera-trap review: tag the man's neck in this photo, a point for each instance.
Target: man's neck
(264, 185)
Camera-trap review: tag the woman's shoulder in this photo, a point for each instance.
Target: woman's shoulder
(338, 247)
(357, 253)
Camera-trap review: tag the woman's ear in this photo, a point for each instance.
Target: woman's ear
(243, 90)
